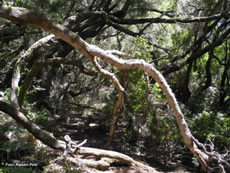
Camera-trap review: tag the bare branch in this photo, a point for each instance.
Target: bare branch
(163, 13)
(14, 84)
(120, 54)
(31, 127)
(119, 102)
(121, 28)
(169, 20)
(197, 54)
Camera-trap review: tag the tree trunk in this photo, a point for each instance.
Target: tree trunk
(31, 127)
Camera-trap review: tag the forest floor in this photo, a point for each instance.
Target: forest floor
(90, 127)
(80, 128)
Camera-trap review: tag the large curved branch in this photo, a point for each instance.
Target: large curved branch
(17, 69)
(21, 15)
(31, 127)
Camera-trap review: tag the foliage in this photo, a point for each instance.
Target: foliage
(39, 116)
(18, 169)
(5, 95)
(212, 126)
(151, 118)
(20, 141)
(143, 49)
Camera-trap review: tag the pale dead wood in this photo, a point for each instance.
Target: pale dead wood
(119, 102)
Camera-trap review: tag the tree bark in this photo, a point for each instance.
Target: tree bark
(35, 130)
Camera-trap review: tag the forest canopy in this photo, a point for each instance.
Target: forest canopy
(150, 76)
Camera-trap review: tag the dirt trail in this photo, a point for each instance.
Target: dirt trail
(81, 128)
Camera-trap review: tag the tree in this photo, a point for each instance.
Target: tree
(93, 53)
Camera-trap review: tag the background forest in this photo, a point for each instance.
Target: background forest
(62, 92)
